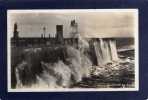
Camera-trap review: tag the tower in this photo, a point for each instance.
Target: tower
(59, 33)
(15, 32)
(74, 29)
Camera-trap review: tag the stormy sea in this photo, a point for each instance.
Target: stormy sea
(93, 63)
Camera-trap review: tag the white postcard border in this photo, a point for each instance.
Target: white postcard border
(136, 29)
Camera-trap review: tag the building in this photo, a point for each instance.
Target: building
(43, 40)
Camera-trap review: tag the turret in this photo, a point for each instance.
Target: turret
(59, 33)
(74, 29)
(15, 32)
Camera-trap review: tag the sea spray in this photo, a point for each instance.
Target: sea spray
(57, 74)
(106, 51)
(63, 66)
(60, 72)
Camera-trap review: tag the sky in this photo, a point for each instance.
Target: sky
(91, 23)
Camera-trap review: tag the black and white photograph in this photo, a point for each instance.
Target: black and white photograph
(72, 50)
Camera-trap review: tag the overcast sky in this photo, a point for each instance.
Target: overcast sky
(90, 23)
